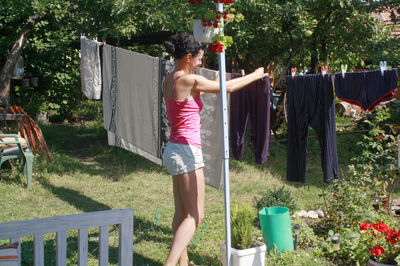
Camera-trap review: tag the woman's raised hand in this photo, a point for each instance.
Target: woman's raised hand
(260, 72)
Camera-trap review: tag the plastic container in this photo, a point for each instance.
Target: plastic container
(254, 256)
(203, 34)
(276, 228)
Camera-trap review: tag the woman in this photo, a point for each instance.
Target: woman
(183, 156)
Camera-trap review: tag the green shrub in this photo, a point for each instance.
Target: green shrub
(306, 237)
(347, 202)
(378, 159)
(297, 257)
(276, 197)
(242, 217)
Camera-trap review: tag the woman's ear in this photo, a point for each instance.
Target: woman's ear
(189, 57)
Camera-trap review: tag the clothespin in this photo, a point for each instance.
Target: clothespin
(104, 42)
(324, 69)
(344, 69)
(294, 70)
(382, 65)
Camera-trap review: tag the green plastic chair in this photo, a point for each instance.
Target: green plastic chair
(17, 152)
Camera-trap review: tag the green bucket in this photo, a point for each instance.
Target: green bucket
(276, 228)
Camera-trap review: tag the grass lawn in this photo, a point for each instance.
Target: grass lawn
(88, 175)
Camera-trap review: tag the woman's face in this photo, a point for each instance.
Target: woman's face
(196, 61)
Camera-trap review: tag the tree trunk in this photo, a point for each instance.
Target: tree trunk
(314, 57)
(7, 70)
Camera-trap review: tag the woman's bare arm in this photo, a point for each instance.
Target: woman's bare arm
(201, 84)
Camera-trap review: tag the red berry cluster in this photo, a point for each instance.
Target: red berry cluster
(221, 14)
(209, 23)
(195, 2)
(216, 47)
(223, 1)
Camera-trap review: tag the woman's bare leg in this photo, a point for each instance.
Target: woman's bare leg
(180, 213)
(191, 188)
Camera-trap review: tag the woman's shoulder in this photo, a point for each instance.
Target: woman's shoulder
(191, 77)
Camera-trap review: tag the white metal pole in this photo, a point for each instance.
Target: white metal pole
(224, 113)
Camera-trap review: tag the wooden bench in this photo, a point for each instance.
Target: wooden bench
(17, 152)
(83, 221)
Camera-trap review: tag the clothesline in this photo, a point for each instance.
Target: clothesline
(366, 88)
(134, 112)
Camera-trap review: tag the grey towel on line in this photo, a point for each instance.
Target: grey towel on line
(131, 113)
(133, 106)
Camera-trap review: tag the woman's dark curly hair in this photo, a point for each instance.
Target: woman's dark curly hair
(181, 44)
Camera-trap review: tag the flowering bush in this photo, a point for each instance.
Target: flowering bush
(382, 241)
(205, 11)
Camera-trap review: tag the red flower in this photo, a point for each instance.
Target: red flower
(377, 251)
(392, 236)
(365, 226)
(216, 47)
(381, 227)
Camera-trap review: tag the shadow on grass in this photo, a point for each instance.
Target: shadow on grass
(10, 175)
(74, 198)
(202, 260)
(85, 150)
(145, 230)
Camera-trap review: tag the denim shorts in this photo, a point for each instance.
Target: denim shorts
(182, 158)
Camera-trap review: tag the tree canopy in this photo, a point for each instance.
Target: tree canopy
(301, 33)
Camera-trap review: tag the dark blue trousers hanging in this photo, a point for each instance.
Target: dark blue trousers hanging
(366, 89)
(253, 101)
(310, 102)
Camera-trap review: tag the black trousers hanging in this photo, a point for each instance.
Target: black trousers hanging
(253, 101)
(310, 101)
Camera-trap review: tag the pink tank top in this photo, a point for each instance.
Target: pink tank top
(184, 120)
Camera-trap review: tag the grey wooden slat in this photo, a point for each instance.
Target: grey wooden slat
(83, 247)
(103, 245)
(17, 240)
(60, 223)
(61, 249)
(126, 239)
(38, 250)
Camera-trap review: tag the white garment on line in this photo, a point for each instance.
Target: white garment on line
(90, 68)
